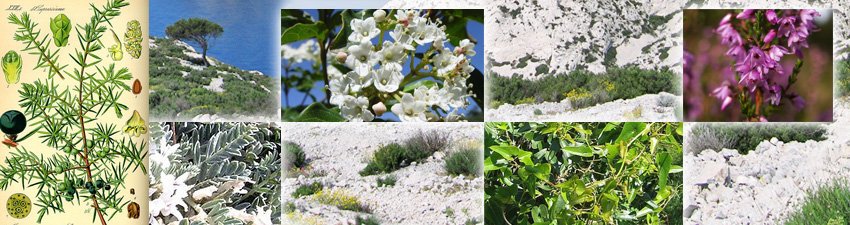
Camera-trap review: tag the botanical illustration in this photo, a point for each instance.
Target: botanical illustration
(778, 173)
(599, 61)
(382, 65)
(758, 65)
(583, 173)
(382, 174)
(215, 173)
(75, 138)
(196, 69)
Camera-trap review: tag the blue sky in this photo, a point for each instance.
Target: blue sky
(475, 29)
(333, 4)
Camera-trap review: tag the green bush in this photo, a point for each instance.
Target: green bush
(387, 159)
(828, 205)
(370, 220)
(746, 137)
(424, 144)
(387, 181)
(583, 173)
(295, 156)
(395, 156)
(465, 161)
(843, 78)
(307, 189)
(616, 83)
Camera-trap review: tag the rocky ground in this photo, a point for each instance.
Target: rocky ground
(643, 108)
(423, 194)
(767, 184)
(581, 35)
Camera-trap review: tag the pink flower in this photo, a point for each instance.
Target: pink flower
(770, 35)
(776, 52)
(798, 101)
(771, 16)
(746, 14)
(723, 93)
(728, 34)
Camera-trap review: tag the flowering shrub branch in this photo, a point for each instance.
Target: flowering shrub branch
(758, 40)
(396, 61)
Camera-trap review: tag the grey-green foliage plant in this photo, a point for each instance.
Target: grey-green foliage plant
(746, 137)
(464, 162)
(295, 156)
(582, 173)
(220, 156)
(829, 204)
(91, 154)
(387, 181)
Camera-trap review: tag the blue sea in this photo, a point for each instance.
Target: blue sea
(251, 38)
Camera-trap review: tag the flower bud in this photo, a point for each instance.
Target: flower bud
(770, 35)
(379, 108)
(341, 56)
(60, 26)
(379, 15)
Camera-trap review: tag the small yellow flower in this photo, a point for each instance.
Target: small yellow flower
(136, 126)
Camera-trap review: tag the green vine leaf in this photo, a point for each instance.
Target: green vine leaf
(301, 31)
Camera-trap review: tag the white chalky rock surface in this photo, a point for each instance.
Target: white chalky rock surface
(422, 192)
(642, 108)
(545, 37)
(766, 185)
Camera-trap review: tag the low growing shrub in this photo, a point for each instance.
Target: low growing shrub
(295, 157)
(828, 205)
(387, 159)
(340, 199)
(466, 162)
(369, 220)
(746, 137)
(615, 83)
(387, 181)
(307, 190)
(424, 144)
(843, 77)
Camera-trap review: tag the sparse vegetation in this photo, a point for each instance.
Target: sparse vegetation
(617, 83)
(307, 190)
(387, 181)
(843, 78)
(745, 137)
(367, 220)
(341, 199)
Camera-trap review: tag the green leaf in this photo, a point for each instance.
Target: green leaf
(664, 161)
(488, 165)
(583, 151)
(301, 31)
(630, 131)
(680, 129)
(420, 83)
(509, 151)
(675, 169)
(317, 112)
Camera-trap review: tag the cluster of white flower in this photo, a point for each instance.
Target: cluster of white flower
(376, 70)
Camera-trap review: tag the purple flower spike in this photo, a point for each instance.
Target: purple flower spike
(746, 14)
(724, 93)
(770, 35)
(771, 16)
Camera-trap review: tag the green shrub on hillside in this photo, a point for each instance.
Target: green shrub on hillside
(745, 137)
(616, 83)
(843, 78)
(177, 90)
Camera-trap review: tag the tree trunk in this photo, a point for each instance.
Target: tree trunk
(204, 57)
